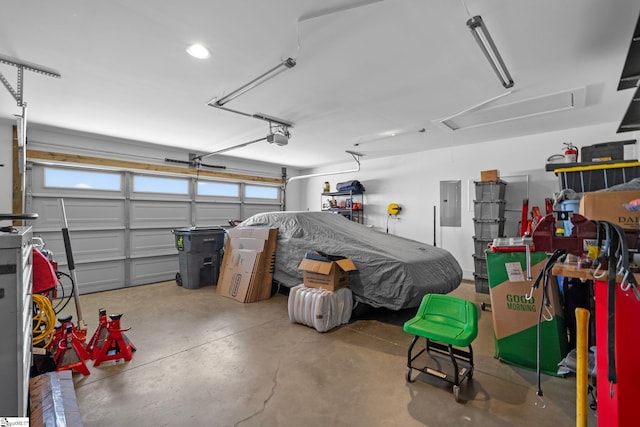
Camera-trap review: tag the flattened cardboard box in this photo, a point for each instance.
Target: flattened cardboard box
(329, 275)
(263, 233)
(267, 260)
(248, 263)
(240, 269)
(609, 206)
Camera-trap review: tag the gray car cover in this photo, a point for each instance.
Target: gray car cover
(393, 272)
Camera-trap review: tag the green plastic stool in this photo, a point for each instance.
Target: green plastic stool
(446, 323)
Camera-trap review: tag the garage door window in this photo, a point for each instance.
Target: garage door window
(261, 192)
(153, 184)
(83, 180)
(223, 189)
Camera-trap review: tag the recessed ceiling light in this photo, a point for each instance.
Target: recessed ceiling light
(198, 51)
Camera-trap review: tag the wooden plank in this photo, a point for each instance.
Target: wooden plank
(16, 203)
(571, 270)
(125, 164)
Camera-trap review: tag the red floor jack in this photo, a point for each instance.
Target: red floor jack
(70, 353)
(115, 346)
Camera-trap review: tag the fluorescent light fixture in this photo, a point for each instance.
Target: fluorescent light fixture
(481, 34)
(329, 11)
(198, 51)
(284, 65)
(484, 113)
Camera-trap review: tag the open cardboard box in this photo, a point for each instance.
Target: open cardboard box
(329, 275)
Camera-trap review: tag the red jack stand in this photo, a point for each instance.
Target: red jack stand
(61, 333)
(70, 353)
(116, 345)
(99, 336)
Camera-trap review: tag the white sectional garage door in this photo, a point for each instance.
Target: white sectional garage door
(120, 223)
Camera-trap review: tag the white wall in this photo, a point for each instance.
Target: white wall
(413, 181)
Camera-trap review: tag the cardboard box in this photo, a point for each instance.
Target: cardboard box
(490, 175)
(240, 270)
(515, 316)
(329, 275)
(263, 233)
(248, 264)
(609, 206)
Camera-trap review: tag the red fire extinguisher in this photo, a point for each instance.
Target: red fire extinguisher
(570, 153)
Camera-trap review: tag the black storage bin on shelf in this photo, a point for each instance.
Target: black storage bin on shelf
(200, 255)
(596, 177)
(604, 151)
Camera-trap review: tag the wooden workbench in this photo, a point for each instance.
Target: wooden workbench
(572, 270)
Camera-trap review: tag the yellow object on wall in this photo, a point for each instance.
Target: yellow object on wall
(393, 209)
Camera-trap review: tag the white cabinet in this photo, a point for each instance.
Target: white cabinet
(16, 320)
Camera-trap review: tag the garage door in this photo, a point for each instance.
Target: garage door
(120, 222)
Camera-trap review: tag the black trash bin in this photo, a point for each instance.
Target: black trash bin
(200, 255)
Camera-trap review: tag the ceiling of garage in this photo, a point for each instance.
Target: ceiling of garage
(366, 69)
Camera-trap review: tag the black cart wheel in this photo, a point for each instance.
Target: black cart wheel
(483, 306)
(178, 279)
(409, 375)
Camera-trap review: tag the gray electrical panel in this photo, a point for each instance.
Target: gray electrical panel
(450, 204)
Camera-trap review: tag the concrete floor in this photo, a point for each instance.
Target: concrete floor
(205, 360)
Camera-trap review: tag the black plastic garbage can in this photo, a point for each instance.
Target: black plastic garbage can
(200, 255)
